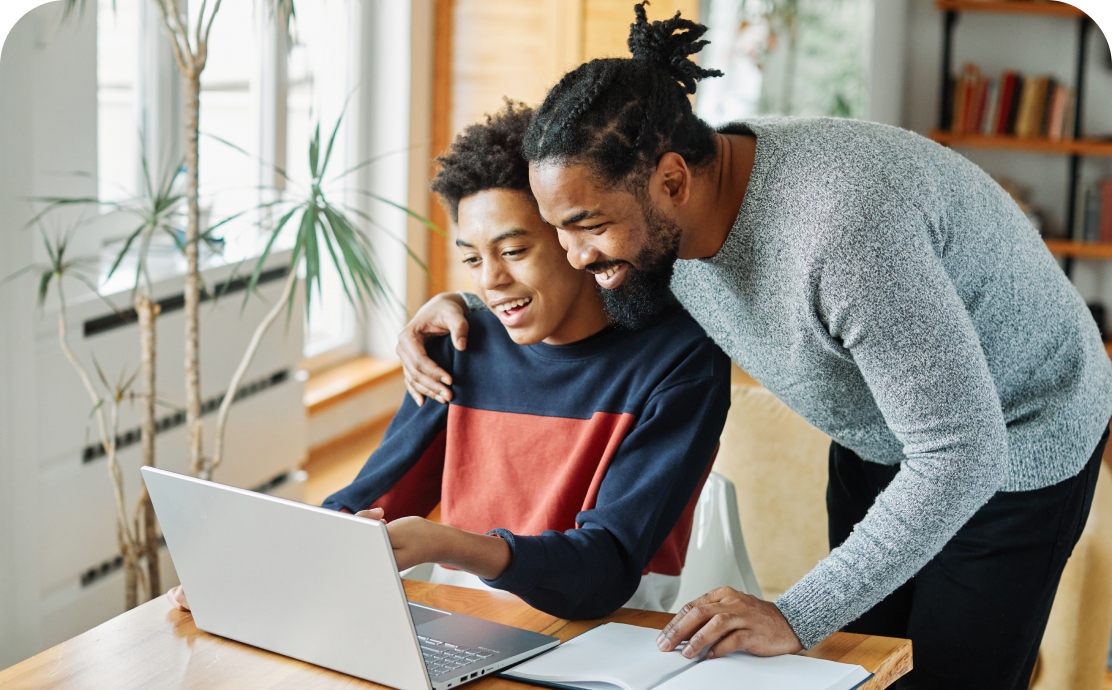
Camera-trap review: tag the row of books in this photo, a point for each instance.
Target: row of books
(1096, 218)
(1012, 105)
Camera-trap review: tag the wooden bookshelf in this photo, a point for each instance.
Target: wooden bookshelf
(1052, 9)
(1080, 250)
(1081, 147)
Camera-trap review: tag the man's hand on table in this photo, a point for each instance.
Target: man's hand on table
(442, 315)
(416, 540)
(726, 620)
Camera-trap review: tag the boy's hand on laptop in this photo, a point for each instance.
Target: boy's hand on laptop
(416, 540)
(726, 620)
(176, 595)
(441, 315)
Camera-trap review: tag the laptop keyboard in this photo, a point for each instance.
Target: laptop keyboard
(444, 657)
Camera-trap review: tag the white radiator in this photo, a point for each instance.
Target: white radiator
(80, 582)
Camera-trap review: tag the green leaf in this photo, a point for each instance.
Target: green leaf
(335, 260)
(44, 286)
(410, 212)
(100, 373)
(281, 171)
(332, 139)
(312, 254)
(254, 281)
(314, 152)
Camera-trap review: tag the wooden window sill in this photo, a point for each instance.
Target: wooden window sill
(338, 383)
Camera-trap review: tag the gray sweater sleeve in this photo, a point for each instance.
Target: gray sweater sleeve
(886, 301)
(472, 301)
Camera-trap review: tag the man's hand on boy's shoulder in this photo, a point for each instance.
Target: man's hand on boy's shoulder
(445, 314)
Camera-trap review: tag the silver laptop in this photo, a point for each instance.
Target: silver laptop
(319, 586)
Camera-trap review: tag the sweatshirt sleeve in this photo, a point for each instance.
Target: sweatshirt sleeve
(591, 571)
(887, 302)
(403, 476)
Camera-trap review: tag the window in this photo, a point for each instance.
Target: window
(118, 138)
(255, 95)
(230, 106)
(786, 57)
(319, 83)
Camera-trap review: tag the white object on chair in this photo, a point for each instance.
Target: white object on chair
(716, 555)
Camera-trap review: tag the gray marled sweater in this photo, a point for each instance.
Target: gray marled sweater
(887, 290)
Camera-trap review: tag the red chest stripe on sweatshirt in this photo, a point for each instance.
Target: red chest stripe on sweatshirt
(525, 473)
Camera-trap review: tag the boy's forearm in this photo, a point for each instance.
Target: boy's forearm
(480, 554)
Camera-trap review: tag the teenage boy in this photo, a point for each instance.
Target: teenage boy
(890, 292)
(569, 462)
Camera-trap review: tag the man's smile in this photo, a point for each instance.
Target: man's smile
(611, 275)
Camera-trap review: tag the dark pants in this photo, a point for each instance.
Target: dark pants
(976, 612)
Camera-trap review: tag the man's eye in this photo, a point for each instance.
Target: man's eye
(594, 229)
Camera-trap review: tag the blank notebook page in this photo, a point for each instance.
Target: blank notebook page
(614, 654)
(741, 670)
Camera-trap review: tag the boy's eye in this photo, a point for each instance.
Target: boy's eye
(512, 252)
(470, 260)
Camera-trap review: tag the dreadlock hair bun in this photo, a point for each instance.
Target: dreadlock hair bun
(618, 116)
(485, 155)
(669, 44)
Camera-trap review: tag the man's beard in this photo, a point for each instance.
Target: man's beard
(645, 292)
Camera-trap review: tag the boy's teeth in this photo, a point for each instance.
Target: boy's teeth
(506, 306)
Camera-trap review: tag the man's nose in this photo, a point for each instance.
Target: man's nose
(580, 253)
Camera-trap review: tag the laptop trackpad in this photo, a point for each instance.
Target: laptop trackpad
(423, 614)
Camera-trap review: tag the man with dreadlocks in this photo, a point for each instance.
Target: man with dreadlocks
(887, 290)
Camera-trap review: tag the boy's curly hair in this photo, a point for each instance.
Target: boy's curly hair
(485, 156)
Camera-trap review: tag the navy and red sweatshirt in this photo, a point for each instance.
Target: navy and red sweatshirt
(586, 458)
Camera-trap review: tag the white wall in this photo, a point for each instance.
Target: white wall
(1032, 45)
(887, 57)
(38, 139)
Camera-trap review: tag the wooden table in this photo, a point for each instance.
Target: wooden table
(155, 646)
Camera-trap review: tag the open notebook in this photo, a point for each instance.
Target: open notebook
(616, 656)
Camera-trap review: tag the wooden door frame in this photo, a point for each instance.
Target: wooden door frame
(441, 138)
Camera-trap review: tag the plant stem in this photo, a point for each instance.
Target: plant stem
(124, 536)
(241, 370)
(192, 275)
(145, 518)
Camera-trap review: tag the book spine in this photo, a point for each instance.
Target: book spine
(1013, 107)
(1045, 106)
(1007, 87)
(1057, 111)
(988, 119)
(1028, 126)
(1068, 132)
(1092, 215)
(980, 101)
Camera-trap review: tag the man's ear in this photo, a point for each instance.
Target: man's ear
(672, 178)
